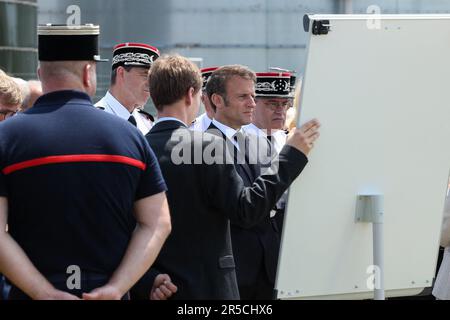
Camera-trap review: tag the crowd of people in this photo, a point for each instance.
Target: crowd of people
(178, 207)
(100, 189)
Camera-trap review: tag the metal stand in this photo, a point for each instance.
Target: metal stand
(369, 208)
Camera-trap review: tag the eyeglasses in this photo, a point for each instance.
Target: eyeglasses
(7, 114)
(273, 105)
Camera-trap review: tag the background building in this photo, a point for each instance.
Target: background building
(256, 33)
(18, 42)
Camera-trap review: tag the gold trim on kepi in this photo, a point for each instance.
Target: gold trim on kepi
(69, 43)
(62, 29)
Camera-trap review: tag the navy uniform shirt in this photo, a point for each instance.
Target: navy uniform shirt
(71, 174)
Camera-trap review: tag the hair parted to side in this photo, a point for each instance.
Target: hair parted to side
(171, 77)
(217, 83)
(10, 93)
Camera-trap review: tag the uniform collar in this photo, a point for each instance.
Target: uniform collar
(117, 108)
(278, 137)
(62, 97)
(202, 123)
(252, 129)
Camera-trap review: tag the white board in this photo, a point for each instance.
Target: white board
(383, 98)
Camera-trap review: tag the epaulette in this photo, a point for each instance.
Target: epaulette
(148, 115)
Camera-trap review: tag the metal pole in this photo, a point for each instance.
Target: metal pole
(370, 209)
(378, 259)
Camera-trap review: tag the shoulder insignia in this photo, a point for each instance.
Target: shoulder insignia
(148, 115)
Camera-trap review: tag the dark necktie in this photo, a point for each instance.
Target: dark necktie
(270, 145)
(132, 120)
(243, 142)
(240, 139)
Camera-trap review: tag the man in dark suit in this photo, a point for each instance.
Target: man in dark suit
(205, 191)
(231, 90)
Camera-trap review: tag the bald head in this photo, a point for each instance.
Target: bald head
(68, 75)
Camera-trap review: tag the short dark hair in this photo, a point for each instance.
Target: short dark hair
(171, 77)
(217, 83)
(114, 73)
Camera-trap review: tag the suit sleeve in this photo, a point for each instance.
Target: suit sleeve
(247, 206)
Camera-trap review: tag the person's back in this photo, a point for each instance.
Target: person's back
(201, 241)
(71, 180)
(92, 162)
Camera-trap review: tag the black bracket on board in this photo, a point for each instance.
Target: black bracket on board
(319, 27)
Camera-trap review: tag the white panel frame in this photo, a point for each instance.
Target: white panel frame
(383, 98)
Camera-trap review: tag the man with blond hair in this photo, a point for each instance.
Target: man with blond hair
(10, 96)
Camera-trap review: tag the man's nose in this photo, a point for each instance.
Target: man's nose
(252, 103)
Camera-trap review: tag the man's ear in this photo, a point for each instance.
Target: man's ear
(217, 100)
(189, 98)
(39, 73)
(87, 81)
(120, 72)
(90, 78)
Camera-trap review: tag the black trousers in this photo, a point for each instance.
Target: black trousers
(262, 289)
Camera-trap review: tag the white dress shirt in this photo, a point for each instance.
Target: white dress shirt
(202, 123)
(228, 132)
(279, 137)
(143, 123)
(111, 105)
